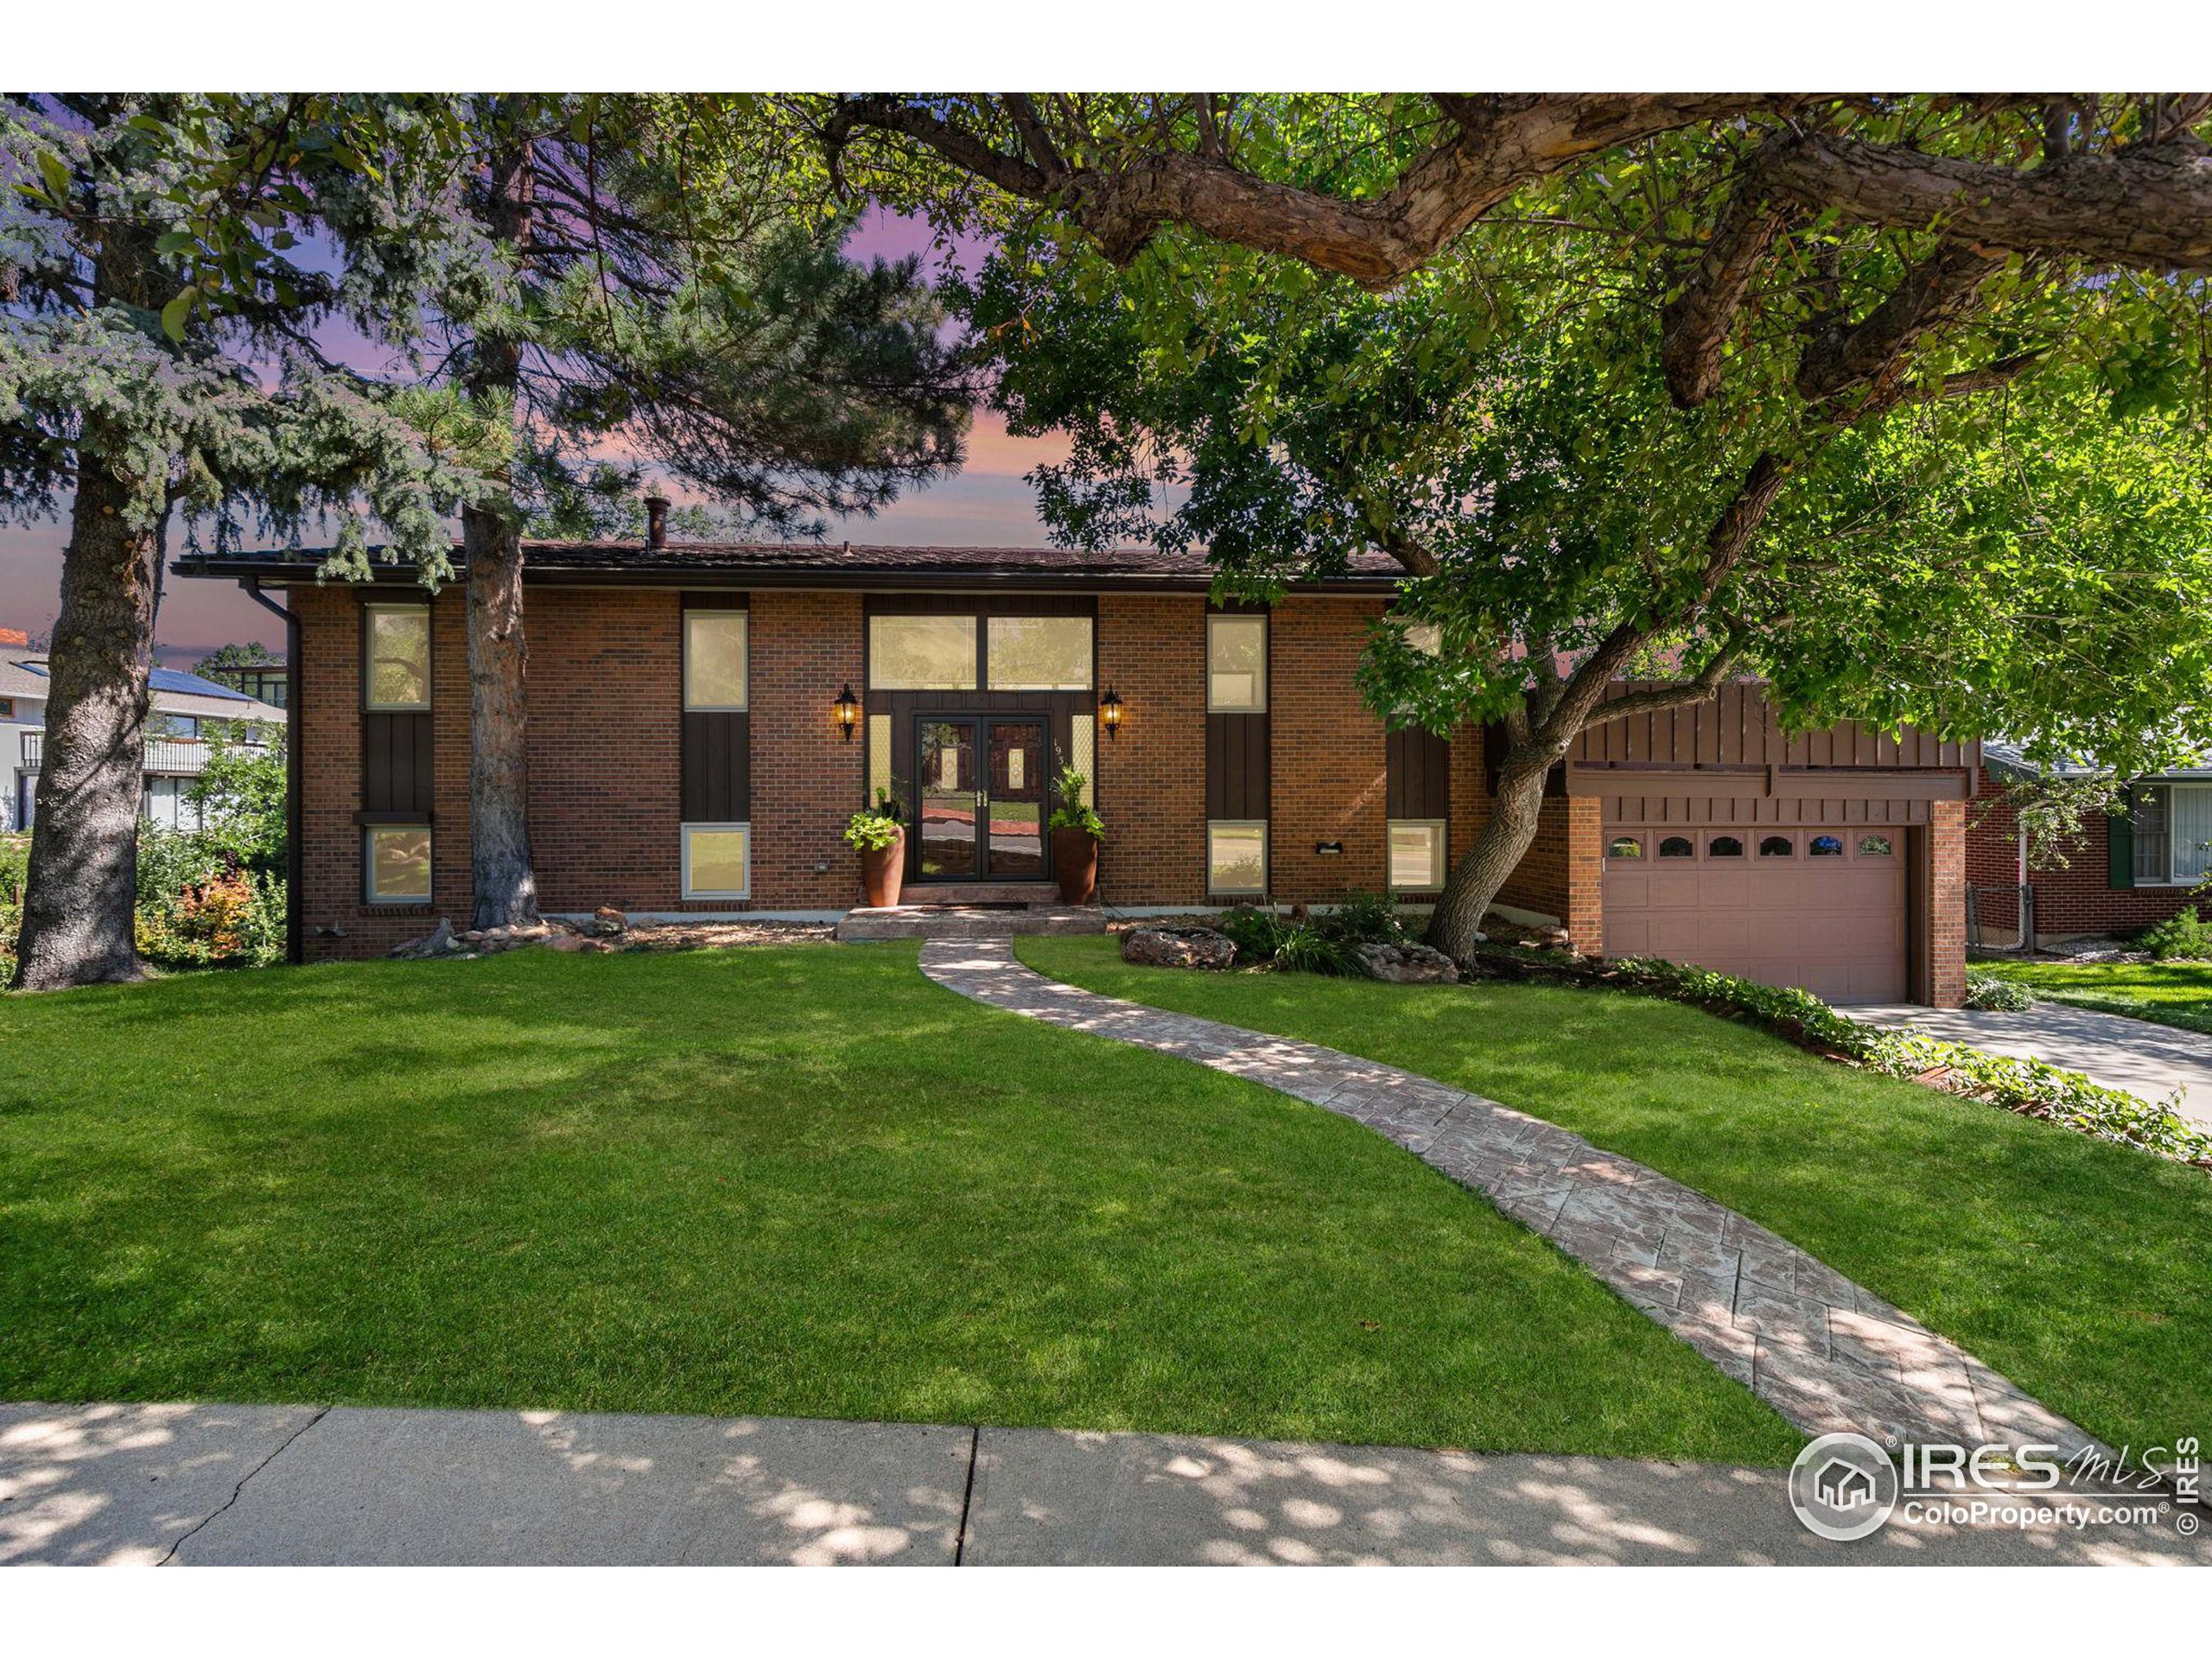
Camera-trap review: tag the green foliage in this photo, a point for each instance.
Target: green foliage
(1069, 812)
(1326, 941)
(249, 653)
(1992, 995)
(2185, 936)
(872, 829)
(240, 795)
(15, 869)
(2032, 1088)
(199, 906)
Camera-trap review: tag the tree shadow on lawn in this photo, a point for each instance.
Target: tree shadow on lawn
(807, 1183)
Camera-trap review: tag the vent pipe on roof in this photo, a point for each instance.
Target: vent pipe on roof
(656, 521)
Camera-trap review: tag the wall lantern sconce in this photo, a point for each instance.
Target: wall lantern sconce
(1109, 710)
(848, 712)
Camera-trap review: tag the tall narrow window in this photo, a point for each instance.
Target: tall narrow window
(1237, 665)
(399, 656)
(2153, 844)
(921, 653)
(1083, 755)
(1237, 857)
(715, 653)
(879, 757)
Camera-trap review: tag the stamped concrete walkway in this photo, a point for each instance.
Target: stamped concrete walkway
(2143, 1059)
(299, 1485)
(1825, 1354)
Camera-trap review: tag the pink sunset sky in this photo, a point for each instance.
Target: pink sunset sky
(985, 504)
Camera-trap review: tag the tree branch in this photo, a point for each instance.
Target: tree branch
(1702, 687)
(1498, 143)
(1697, 321)
(1940, 289)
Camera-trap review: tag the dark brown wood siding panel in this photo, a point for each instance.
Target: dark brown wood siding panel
(1236, 765)
(717, 784)
(1419, 775)
(396, 753)
(1739, 727)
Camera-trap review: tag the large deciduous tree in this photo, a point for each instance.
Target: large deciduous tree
(1899, 403)
(156, 363)
(645, 296)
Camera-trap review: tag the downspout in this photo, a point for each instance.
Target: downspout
(295, 762)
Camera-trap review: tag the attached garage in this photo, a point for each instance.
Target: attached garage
(1821, 909)
(1833, 860)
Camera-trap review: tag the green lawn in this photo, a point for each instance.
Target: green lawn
(2169, 993)
(2081, 1268)
(799, 1180)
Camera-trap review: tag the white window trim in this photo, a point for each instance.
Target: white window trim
(370, 895)
(2172, 880)
(1260, 824)
(1267, 677)
(430, 662)
(744, 629)
(1443, 851)
(683, 858)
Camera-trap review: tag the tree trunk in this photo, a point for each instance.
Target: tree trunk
(503, 880)
(499, 759)
(1502, 843)
(79, 905)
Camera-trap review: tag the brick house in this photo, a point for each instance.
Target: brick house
(2123, 872)
(689, 755)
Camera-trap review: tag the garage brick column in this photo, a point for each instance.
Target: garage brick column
(1584, 916)
(1946, 903)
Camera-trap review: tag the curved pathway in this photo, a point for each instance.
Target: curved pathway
(1826, 1355)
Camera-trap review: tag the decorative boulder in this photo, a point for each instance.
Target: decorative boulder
(1408, 964)
(1177, 947)
(437, 943)
(606, 922)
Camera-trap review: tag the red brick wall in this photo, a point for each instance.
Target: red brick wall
(334, 921)
(1946, 903)
(2072, 903)
(1327, 768)
(1562, 874)
(806, 778)
(1151, 650)
(605, 683)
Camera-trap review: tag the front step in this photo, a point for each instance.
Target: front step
(937, 895)
(962, 922)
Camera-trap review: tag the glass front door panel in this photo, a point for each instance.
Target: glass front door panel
(949, 787)
(1015, 850)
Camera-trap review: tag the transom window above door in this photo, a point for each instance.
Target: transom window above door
(965, 653)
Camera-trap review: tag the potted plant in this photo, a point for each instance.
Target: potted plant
(1076, 835)
(876, 833)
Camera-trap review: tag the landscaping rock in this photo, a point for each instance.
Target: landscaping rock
(437, 943)
(606, 922)
(1408, 964)
(1177, 947)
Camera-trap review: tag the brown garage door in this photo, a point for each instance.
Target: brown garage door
(1819, 908)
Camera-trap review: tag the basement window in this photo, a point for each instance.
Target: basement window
(717, 861)
(1416, 854)
(1236, 856)
(396, 864)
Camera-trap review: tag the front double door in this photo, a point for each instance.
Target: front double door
(981, 795)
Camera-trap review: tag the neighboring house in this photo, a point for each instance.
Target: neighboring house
(2121, 872)
(704, 718)
(176, 749)
(263, 682)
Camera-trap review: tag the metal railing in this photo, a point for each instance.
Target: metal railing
(170, 754)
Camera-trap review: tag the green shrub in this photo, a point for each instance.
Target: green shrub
(1071, 813)
(2182, 936)
(1257, 934)
(15, 863)
(1361, 918)
(1264, 939)
(1994, 996)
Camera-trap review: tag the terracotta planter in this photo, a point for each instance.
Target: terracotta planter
(1075, 861)
(883, 873)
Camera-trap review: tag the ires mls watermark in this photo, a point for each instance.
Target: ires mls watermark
(1845, 1487)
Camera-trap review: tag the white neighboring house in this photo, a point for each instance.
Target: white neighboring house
(177, 749)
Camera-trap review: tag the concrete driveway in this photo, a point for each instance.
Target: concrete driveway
(273, 1485)
(2142, 1059)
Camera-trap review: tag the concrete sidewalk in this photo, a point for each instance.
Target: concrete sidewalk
(273, 1485)
(2145, 1059)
